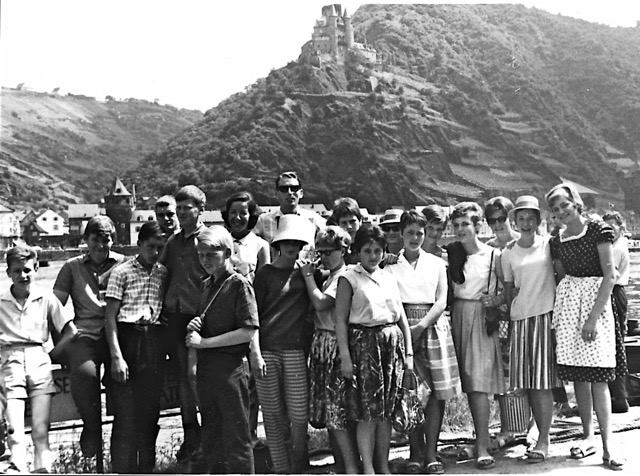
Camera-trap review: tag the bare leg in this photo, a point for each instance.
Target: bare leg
(585, 407)
(16, 440)
(346, 447)
(435, 410)
(40, 411)
(366, 441)
(383, 443)
(479, 405)
(602, 404)
(417, 445)
(542, 407)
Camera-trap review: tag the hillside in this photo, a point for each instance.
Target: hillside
(469, 101)
(56, 150)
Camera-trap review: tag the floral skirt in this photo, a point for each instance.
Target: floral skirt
(377, 354)
(434, 357)
(327, 404)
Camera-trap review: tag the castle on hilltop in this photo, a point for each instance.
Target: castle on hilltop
(332, 40)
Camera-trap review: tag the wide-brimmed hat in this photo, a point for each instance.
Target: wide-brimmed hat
(525, 202)
(294, 227)
(391, 216)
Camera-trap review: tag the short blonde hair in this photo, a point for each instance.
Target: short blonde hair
(216, 236)
(571, 192)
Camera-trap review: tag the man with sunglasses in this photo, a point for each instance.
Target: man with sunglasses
(390, 226)
(288, 192)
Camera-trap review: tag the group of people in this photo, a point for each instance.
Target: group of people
(323, 324)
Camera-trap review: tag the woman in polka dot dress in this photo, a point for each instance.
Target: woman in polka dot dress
(583, 318)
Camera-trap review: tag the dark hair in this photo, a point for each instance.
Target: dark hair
(497, 204)
(191, 192)
(615, 216)
(467, 208)
(334, 237)
(410, 217)
(254, 209)
(165, 201)
(345, 206)
(150, 229)
(98, 225)
(20, 253)
(435, 213)
(291, 175)
(366, 235)
(571, 192)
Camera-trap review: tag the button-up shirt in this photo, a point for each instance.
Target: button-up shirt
(141, 292)
(186, 274)
(29, 323)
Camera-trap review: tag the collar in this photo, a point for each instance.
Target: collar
(139, 265)
(220, 281)
(199, 227)
(35, 294)
(87, 259)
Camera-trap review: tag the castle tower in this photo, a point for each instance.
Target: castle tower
(348, 29)
(333, 32)
(119, 205)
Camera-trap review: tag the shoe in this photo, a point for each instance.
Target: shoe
(414, 467)
(485, 462)
(613, 464)
(435, 468)
(89, 442)
(536, 456)
(582, 451)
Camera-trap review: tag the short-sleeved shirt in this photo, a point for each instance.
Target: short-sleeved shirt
(267, 226)
(376, 298)
(531, 271)
(140, 292)
(283, 306)
(418, 285)
(186, 274)
(234, 307)
(579, 254)
(621, 260)
(29, 324)
(326, 320)
(86, 283)
(244, 258)
(477, 279)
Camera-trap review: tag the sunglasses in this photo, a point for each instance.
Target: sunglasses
(325, 252)
(288, 188)
(390, 228)
(493, 221)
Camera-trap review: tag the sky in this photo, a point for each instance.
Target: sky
(187, 53)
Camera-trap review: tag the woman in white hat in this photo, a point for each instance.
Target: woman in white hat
(530, 286)
(390, 226)
(582, 317)
(278, 360)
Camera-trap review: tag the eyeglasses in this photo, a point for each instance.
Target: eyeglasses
(493, 221)
(325, 252)
(287, 188)
(388, 228)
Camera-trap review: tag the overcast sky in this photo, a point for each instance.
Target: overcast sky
(188, 53)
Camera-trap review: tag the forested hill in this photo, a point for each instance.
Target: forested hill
(469, 101)
(57, 149)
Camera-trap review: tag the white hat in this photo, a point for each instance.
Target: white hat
(391, 216)
(294, 227)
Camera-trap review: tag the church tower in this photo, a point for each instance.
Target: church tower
(119, 205)
(333, 32)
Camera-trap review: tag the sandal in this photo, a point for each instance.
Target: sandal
(414, 467)
(614, 464)
(435, 468)
(485, 462)
(582, 451)
(536, 456)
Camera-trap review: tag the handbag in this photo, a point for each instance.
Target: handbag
(409, 412)
(492, 314)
